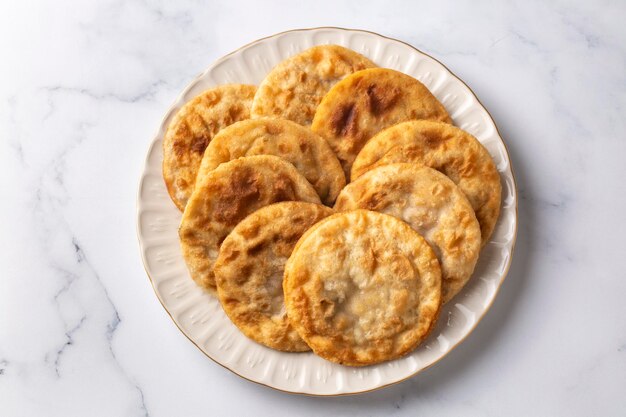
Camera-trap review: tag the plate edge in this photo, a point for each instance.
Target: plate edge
(224, 57)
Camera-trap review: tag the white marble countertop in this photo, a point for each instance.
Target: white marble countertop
(83, 88)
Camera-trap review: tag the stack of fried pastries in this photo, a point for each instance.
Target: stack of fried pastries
(335, 208)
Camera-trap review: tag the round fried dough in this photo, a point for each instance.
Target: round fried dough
(293, 88)
(368, 101)
(308, 152)
(250, 266)
(432, 205)
(224, 197)
(362, 287)
(449, 150)
(191, 130)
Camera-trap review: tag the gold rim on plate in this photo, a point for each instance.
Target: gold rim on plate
(508, 262)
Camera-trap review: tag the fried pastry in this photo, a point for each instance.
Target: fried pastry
(362, 287)
(368, 101)
(294, 87)
(250, 266)
(432, 205)
(308, 152)
(191, 130)
(448, 149)
(224, 197)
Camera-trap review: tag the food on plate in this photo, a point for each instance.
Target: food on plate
(224, 197)
(449, 150)
(191, 130)
(368, 101)
(431, 204)
(250, 266)
(293, 88)
(362, 282)
(308, 152)
(362, 287)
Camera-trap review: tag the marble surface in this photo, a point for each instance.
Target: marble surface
(83, 87)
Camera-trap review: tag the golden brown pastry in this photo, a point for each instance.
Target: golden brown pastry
(368, 101)
(362, 287)
(191, 130)
(308, 152)
(432, 205)
(294, 87)
(250, 266)
(448, 149)
(224, 197)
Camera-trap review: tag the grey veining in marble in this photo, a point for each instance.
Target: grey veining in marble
(84, 86)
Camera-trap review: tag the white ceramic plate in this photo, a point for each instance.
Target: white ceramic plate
(200, 317)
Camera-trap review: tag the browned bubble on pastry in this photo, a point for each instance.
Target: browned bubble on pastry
(191, 131)
(432, 205)
(368, 101)
(362, 287)
(448, 149)
(224, 197)
(249, 271)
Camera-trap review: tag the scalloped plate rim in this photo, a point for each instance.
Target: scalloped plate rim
(510, 243)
